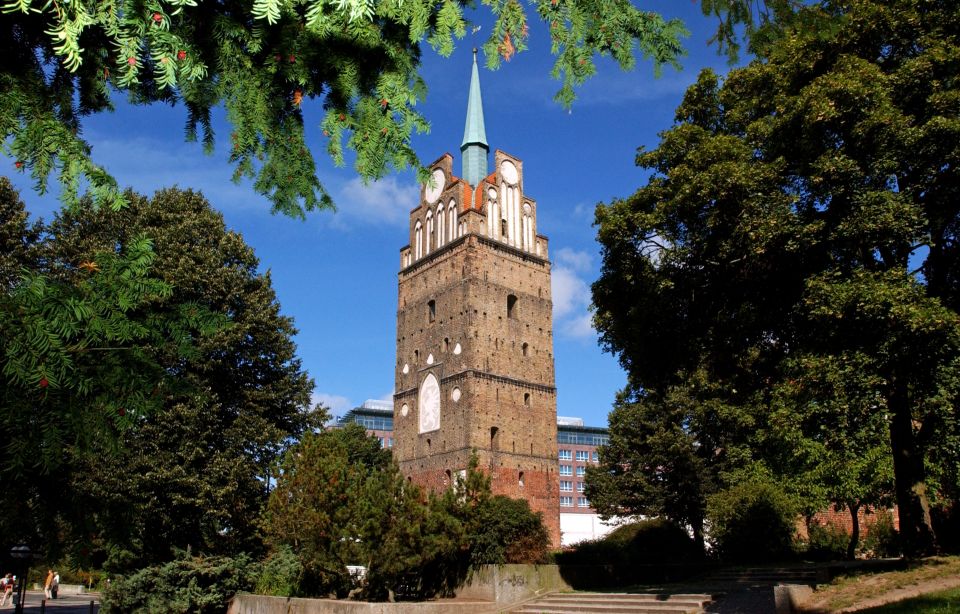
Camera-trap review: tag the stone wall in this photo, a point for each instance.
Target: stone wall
(489, 589)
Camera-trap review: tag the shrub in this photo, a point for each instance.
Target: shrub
(507, 531)
(194, 585)
(752, 522)
(827, 542)
(649, 542)
(882, 539)
(280, 574)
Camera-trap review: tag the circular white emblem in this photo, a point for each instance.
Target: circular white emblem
(509, 172)
(406, 368)
(457, 349)
(432, 194)
(455, 395)
(404, 409)
(428, 403)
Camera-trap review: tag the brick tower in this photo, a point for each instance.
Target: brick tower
(474, 368)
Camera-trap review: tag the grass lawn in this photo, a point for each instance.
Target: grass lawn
(846, 591)
(946, 602)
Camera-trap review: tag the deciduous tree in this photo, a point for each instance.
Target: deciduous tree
(783, 221)
(194, 471)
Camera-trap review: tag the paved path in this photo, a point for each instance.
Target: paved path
(65, 604)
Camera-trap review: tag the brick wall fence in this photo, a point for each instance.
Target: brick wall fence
(830, 517)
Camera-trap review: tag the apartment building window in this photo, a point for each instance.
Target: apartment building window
(566, 501)
(581, 501)
(580, 486)
(596, 457)
(566, 455)
(581, 471)
(566, 486)
(566, 469)
(583, 456)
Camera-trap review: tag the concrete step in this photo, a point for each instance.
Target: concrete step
(616, 603)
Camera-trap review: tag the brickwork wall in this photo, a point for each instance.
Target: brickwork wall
(866, 516)
(477, 314)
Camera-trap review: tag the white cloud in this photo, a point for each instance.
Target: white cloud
(338, 405)
(571, 294)
(584, 211)
(383, 202)
(581, 326)
(578, 260)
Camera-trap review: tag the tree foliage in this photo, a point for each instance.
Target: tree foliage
(194, 473)
(340, 501)
(84, 342)
(260, 59)
(769, 262)
(187, 584)
(189, 467)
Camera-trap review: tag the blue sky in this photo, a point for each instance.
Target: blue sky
(336, 273)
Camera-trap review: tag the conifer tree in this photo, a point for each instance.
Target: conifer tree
(260, 59)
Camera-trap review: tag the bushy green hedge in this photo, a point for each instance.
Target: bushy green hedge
(280, 574)
(187, 585)
(882, 539)
(827, 543)
(752, 522)
(648, 542)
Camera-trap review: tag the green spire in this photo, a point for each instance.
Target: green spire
(474, 149)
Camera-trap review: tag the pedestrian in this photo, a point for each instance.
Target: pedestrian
(47, 584)
(55, 586)
(6, 587)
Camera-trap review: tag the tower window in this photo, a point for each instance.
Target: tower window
(494, 437)
(520, 480)
(431, 311)
(511, 306)
(503, 228)
(526, 399)
(525, 348)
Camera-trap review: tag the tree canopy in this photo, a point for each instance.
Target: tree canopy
(260, 59)
(792, 262)
(191, 468)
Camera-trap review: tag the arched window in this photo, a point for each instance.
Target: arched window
(441, 235)
(452, 208)
(418, 237)
(429, 232)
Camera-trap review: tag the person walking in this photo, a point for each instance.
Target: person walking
(6, 587)
(47, 584)
(55, 586)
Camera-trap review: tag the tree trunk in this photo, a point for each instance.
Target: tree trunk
(916, 529)
(854, 530)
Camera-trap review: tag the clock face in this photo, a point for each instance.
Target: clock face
(428, 404)
(509, 172)
(432, 194)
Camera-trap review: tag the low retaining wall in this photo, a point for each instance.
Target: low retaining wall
(489, 589)
(505, 584)
(261, 604)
